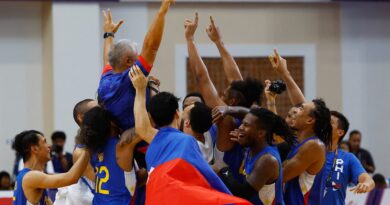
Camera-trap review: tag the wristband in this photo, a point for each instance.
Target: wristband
(108, 34)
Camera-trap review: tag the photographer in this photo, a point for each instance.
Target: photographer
(62, 161)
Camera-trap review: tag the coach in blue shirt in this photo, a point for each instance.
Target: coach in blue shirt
(342, 167)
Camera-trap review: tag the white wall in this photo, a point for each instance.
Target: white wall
(20, 74)
(365, 74)
(76, 61)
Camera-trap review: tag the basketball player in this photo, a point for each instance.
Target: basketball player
(112, 155)
(262, 164)
(303, 169)
(31, 182)
(239, 93)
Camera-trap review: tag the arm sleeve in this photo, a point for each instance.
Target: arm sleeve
(356, 169)
(145, 67)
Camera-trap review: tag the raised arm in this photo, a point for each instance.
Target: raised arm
(143, 127)
(230, 67)
(206, 87)
(37, 179)
(109, 28)
(153, 37)
(280, 66)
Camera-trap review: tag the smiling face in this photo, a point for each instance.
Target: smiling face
(249, 132)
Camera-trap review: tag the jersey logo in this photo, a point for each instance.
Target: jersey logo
(101, 157)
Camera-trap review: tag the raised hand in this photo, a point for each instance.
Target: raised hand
(190, 27)
(213, 31)
(109, 25)
(268, 94)
(278, 63)
(360, 188)
(219, 113)
(138, 78)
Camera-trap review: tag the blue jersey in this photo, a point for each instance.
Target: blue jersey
(117, 94)
(19, 197)
(110, 178)
(342, 168)
(234, 158)
(305, 189)
(269, 194)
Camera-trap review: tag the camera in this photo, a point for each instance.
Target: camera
(278, 87)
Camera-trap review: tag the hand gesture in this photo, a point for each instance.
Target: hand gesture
(278, 63)
(213, 31)
(137, 78)
(219, 113)
(190, 27)
(235, 134)
(270, 96)
(109, 25)
(360, 188)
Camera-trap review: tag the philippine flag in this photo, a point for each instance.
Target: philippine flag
(179, 175)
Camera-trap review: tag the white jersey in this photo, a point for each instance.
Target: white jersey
(207, 148)
(80, 193)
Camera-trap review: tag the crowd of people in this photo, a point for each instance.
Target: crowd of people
(135, 145)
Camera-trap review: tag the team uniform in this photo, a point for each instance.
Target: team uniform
(117, 94)
(305, 189)
(342, 168)
(271, 194)
(19, 197)
(110, 178)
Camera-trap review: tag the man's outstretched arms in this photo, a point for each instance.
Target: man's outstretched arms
(230, 67)
(110, 28)
(143, 127)
(153, 37)
(280, 66)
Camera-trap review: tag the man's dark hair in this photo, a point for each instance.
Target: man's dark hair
(247, 91)
(4, 174)
(200, 118)
(343, 123)
(355, 132)
(193, 94)
(58, 135)
(96, 129)
(162, 108)
(80, 109)
(322, 126)
(23, 142)
(272, 124)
